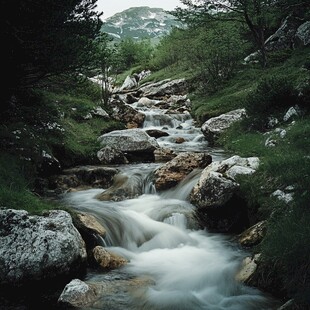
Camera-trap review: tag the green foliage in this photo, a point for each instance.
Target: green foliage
(230, 97)
(133, 52)
(16, 176)
(272, 95)
(171, 49)
(216, 54)
(287, 248)
(212, 54)
(278, 57)
(48, 38)
(285, 165)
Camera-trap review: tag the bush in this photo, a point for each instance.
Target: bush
(272, 95)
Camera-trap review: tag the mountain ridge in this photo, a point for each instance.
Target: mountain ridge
(140, 23)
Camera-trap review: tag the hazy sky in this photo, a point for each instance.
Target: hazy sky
(110, 7)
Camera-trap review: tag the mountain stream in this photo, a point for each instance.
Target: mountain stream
(172, 264)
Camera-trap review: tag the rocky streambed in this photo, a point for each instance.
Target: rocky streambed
(158, 225)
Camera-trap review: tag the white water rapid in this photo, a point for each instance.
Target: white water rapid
(179, 266)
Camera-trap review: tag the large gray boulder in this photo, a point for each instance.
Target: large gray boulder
(36, 248)
(131, 142)
(164, 88)
(215, 196)
(213, 127)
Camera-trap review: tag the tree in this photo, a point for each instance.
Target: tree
(215, 53)
(107, 62)
(44, 38)
(254, 13)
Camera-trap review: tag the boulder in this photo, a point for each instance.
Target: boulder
(80, 294)
(124, 187)
(34, 248)
(171, 173)
(164, 155)
(129, 83)
(84, 176)
(165, 87)
(156, 133)
(114, 292)
(131, 142)
(248, 268)
(111, 155)
(302, 36)
(253, 235)
(215, 196)
(90, 229)
(213, 127)
(127, 114)
(284, 37)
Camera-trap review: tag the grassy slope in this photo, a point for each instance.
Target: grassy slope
(47, 121)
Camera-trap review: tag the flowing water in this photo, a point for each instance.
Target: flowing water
(172, 263)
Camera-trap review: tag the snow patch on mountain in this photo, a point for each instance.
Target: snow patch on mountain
(139, 23)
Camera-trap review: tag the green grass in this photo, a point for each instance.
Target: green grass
(16, 181)
(172, 72)
(233, 94)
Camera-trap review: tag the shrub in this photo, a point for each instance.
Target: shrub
(272, 95)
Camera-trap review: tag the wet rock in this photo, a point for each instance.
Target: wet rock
(156, 133)
(80, 294)
(126, 113)
(248, 268)
(110, 155)
(123, 188)
(219, 207)
(253, 235)
(90, 229)
(115, 293)
(179, 140)
(171, 173)
(106, 259)
(164, 155)
(81, 176)
(90, 223)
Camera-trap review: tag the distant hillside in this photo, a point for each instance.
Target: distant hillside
(139, 23)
